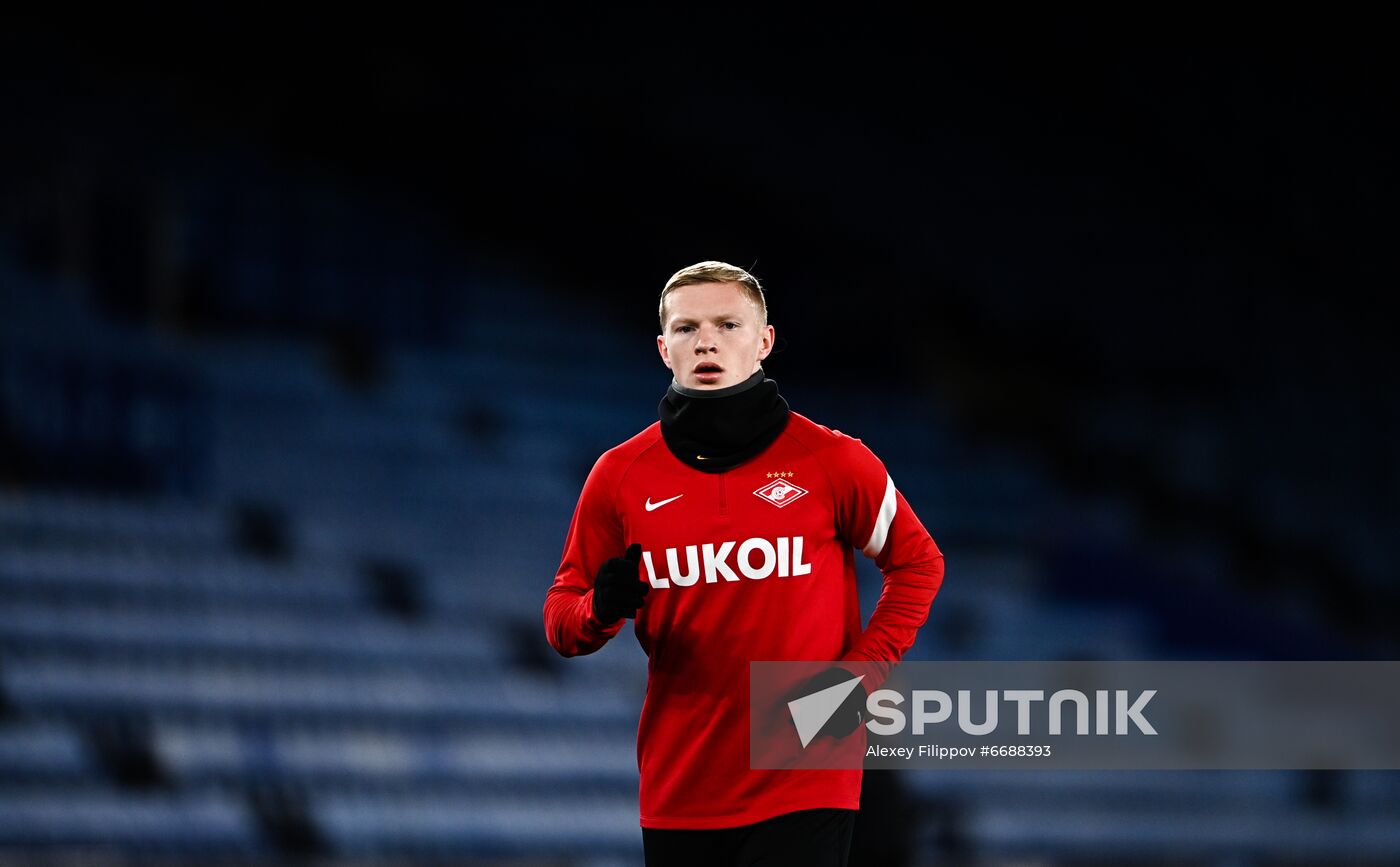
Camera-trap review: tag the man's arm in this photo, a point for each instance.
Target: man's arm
(875, 518)
(595, 535)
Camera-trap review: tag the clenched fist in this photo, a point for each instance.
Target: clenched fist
(618, 591)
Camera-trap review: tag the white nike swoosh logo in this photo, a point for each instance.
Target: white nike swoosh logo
(653, 506)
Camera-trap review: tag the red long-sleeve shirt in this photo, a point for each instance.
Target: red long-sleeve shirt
(755, 563)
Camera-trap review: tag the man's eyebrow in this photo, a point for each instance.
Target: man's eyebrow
(719, 317)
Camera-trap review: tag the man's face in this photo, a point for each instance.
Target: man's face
(713, 336)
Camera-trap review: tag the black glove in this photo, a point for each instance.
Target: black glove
(850, 714)
(618, 591)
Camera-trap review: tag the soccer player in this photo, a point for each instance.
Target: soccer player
(727, 529)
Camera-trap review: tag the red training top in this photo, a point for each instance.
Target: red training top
(755, 563)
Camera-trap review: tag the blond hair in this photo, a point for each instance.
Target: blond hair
(715, 272)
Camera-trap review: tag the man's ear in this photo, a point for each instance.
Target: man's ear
(661, 348)
(766, 348)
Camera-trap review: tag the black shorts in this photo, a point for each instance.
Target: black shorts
(819, 838)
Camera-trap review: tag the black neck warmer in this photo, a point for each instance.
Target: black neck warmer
(718, 430)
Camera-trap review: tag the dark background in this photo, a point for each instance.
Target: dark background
(1149, 253)
(1186, 220)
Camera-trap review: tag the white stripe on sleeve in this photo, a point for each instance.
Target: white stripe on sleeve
(882, 521)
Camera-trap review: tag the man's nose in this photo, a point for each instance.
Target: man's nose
(705, 340)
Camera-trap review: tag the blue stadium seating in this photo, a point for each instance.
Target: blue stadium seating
(443, 729)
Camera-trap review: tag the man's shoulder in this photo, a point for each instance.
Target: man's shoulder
(629, 450)
(818, 437)
(839, 452)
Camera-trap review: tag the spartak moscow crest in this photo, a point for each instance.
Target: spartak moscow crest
(781, 492)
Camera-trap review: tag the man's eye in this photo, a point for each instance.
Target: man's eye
(731, 325)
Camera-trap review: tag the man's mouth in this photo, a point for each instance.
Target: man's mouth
(708, 372)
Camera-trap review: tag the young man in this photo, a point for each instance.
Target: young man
(728, 530)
